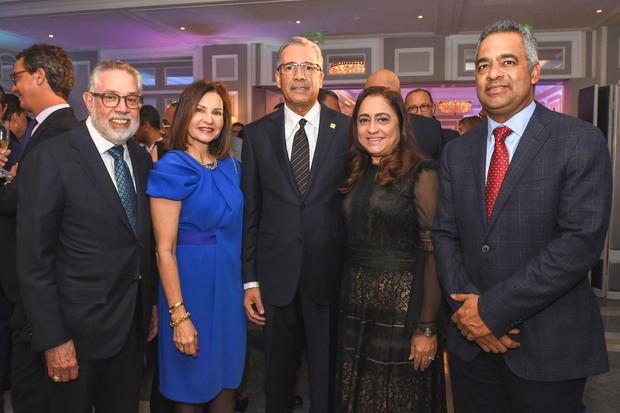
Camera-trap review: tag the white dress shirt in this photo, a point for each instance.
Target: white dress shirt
(103, 145)
(291, 126)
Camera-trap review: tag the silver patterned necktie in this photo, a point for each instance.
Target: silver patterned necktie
(124, 184)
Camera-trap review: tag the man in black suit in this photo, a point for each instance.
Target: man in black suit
(84, 249)
(149, 132)
(523, 210)
(420, 102)
(43, 77)
(293, 164)
(427, 131)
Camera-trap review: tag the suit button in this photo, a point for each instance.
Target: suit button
(486, 249)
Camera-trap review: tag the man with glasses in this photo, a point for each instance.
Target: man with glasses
(420, 102)
(43, 78)
(85, 250)
(427, 131)
(293, 163)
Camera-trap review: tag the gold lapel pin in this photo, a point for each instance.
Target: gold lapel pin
(332, 125)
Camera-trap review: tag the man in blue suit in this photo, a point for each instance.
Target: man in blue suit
(522, 214)
(293, 235)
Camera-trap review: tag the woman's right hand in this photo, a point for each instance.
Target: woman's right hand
(186, 338)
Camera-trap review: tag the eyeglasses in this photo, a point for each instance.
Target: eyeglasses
(13, 75)
(424, 107)
(111, 100)
(290, 68)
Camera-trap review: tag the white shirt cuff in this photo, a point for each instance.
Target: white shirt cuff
(251, 284)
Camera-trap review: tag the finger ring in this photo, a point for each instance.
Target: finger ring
(431, 358)
(56, 379)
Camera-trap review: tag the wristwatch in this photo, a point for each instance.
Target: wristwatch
(427, 331)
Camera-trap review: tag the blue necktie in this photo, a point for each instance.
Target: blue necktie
(125, 185)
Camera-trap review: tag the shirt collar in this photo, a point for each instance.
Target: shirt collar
(48, 111)
(101, 143)
(517, 123)
(312, 116)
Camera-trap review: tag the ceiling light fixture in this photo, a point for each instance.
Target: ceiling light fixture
(51, 36)
(599, 11)
(455, 106)
(298, 21)
(182, 28)
(346, 67)
(420, 17)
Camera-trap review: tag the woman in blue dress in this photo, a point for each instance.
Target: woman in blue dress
(197, 206)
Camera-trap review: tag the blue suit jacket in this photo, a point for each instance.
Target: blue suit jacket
(292, 241)
(529, 263)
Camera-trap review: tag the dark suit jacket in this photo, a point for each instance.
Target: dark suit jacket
(78, 259)
(530, 261)
(56, 123)
(290, 240)
(447, 135)
(427, 132)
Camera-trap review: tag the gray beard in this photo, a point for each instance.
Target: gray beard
(111, 136)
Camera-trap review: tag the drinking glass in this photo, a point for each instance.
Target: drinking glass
(4, 144)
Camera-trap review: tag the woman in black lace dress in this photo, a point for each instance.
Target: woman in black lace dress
(389, 356)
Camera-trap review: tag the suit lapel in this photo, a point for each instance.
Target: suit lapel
(532, 140)
(94, 167)
(325, 138)
(37, 133)
(478, 161)
(275, 132)
(138, 173)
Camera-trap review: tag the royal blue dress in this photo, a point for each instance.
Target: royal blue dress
(209, 261)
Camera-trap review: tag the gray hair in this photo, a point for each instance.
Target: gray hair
(113, 65)
(529, 41)
(302, 41)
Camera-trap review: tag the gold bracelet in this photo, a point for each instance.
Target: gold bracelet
(179, 320)
(174, 307)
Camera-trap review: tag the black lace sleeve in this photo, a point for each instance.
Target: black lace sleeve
(426, 297)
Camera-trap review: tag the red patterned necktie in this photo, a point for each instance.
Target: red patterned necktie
(497, 167)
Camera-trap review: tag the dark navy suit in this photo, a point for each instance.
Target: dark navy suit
(529, 262)
(293, 245)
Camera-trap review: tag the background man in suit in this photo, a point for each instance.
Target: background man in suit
(293, 163)
(420, 102)
(43, 77)
(427, 131)
(149, 132)
(522, 214)
(84, 249)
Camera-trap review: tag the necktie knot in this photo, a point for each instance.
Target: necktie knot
(302, 123)
(501, 133)
(116, 152)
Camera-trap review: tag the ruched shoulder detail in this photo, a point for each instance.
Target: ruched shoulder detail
(175, 176)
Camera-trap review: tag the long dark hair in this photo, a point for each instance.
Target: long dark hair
(188, 102)
(406, 155)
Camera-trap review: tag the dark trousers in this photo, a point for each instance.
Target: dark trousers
(5, 344)
(284, 332)
(487, 385)
(30, 384)
(111, 385)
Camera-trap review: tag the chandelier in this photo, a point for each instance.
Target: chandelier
(346, 67)
(455, 106)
